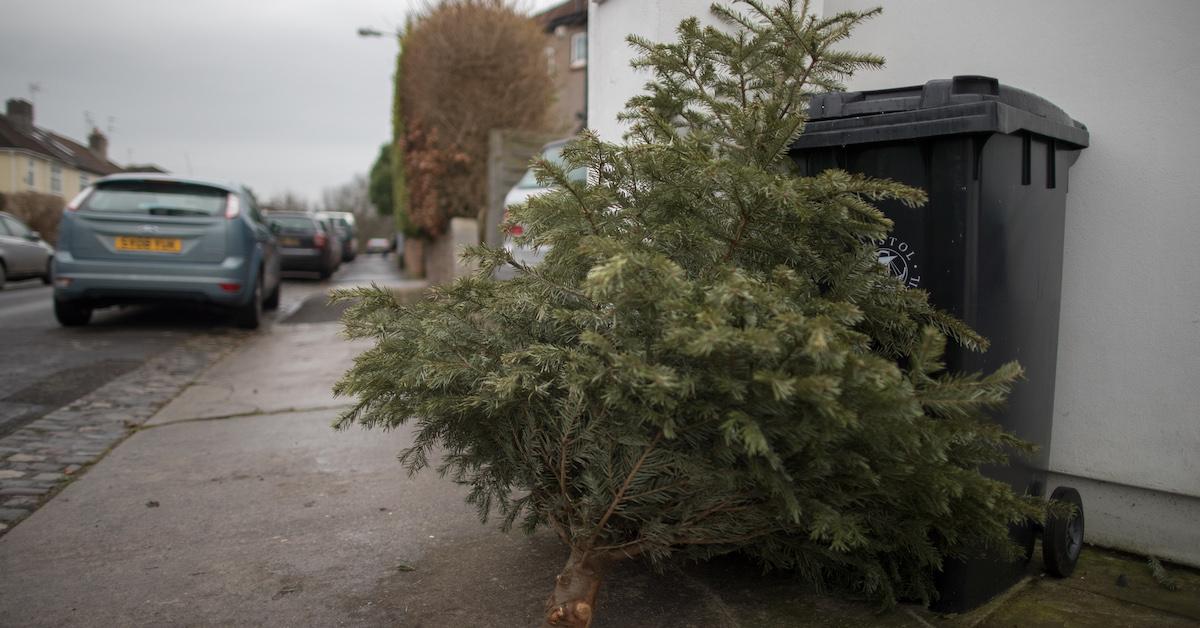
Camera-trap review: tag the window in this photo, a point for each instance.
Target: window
(29, 174)
(55, 178)
(255, 214)
(578, 50)
(16, 228)
(157, 198)
(552, 154)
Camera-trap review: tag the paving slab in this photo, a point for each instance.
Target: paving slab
(294, 367)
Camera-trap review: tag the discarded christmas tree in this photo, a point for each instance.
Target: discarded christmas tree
(711, 358)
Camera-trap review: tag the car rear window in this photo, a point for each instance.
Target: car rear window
(160, 198)
(294, 224)
(552, 154)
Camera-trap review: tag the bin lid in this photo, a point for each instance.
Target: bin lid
(960, 105)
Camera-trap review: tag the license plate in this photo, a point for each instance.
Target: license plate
(156, 245)
(289, 241)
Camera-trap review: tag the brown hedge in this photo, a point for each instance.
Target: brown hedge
(469, 66)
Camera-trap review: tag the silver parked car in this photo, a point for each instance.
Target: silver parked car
(137, 238)
(347, 233)
(525, 189)
(23, 253)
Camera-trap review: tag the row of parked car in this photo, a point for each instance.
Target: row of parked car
(152, 238)
(140, 238)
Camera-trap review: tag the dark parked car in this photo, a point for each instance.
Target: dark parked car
(306, 243)
(23, 253)
(137, 238)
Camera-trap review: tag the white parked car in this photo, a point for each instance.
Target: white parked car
(378, 245)
(529, 187)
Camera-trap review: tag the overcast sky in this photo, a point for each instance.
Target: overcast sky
(277, 94)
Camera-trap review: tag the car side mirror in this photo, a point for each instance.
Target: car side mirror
(274, 227)
(33, 236)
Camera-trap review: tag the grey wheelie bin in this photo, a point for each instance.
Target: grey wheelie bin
(988, 247)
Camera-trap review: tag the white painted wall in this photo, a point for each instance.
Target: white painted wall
(1127, 405)
(611, 81)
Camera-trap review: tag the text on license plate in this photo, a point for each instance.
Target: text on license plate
(289, 241)
(158, 245)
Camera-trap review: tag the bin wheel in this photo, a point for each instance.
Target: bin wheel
(1062, 539)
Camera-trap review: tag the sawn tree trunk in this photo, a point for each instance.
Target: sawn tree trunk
(573, 602)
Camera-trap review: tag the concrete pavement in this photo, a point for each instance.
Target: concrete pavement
(237, 505)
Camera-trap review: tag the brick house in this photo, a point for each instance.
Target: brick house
(565, 26)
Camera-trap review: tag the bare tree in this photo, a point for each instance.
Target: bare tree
(289, 201)
(351, 196)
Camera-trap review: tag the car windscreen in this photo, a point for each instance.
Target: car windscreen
(294, 224)
(160, 198)
(553, 155)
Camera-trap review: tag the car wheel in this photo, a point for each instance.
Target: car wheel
(249, 316)
(48, 276)
(272, 301)
(3, 275)
(1062, 539)
(72, 313)
(326, 273)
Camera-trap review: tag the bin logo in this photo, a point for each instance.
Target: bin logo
(897, 256)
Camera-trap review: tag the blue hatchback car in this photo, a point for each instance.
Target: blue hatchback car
(139, 238)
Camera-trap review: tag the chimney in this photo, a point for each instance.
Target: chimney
(98, 144)
(20, 114)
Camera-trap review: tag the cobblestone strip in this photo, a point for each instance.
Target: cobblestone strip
(37, 460)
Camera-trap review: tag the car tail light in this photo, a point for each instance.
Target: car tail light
(230, 287)
(513, 229)
(319, 240)
(78, 200)
(233, 206)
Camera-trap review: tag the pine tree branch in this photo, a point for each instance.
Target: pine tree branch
(634, 548)
(737, 238)
(721, 508)
(666, 487)
(560, 530)
(621, 492)
(562, 473)
(729, 540)
(529, 270)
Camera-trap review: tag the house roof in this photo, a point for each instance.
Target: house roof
(85, 159)
(569, 13)
(53, 146)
